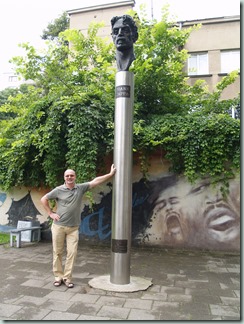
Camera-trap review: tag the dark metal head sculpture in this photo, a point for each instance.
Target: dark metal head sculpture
(124, 34)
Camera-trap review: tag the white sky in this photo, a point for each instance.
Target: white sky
(24, 20)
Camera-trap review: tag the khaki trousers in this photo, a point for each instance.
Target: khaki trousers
(60, 234)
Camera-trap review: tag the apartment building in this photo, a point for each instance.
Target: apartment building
(214, 48)
(81, 18)
(12, 80)
(214, 51)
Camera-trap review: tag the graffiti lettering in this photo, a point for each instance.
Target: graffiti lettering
(85, 226)
(3, 197)
(103, 231)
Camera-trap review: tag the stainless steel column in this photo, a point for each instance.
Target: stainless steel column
(122, 183)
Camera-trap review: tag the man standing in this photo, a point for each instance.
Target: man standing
(66, 221)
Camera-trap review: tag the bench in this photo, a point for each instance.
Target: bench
(17, 233)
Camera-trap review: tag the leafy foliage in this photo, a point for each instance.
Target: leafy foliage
(53, 29)
(160, 81)
(66, 119)
(197, 146)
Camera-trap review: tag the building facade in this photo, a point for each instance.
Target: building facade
(12, 80)
(81, 18)
(9, 80)
(214, 52)
(214, 48)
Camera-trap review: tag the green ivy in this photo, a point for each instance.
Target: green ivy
(198, 147)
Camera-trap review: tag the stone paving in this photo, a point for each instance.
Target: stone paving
(187, 285)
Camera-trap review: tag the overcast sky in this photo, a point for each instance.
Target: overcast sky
(24, 20)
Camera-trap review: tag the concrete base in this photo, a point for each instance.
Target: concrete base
(136, 284)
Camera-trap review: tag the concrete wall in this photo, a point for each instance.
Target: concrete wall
(167, 211)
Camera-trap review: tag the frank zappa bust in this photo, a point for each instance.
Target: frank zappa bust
(124, 34)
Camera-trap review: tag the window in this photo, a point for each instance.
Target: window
(12, 78)
(198, 64)
(235, 112)
(230, 61)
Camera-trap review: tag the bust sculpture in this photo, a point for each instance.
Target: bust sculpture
(124, 34)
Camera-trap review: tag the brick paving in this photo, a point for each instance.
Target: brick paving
(187, 285)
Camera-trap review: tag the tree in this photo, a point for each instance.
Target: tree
(6, 95)
(189, 123)
(53, 29)
(66, 120)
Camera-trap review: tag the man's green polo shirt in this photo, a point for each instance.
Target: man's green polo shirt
(68, 202)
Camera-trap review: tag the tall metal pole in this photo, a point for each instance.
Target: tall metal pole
(124, 33)
(122, 185)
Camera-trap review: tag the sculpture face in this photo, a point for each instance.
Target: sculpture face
(122, 35)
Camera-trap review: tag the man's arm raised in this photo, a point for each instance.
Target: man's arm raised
(98, 180)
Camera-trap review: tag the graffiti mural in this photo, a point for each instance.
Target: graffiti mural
(23, 209)
(3, 197)
(196, 215)
(167, 211)
(96, 222)
(172, 212)
(92, 225)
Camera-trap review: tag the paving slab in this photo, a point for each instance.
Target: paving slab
(186, 285)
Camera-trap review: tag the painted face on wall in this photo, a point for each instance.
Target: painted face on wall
(221, 218)
(169, 224)
(122, 35)
(195, 215)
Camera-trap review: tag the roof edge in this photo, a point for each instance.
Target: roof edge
(211, 20)
(103, 6)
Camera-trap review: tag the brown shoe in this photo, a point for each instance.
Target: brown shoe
(68, 284)
(57, 283)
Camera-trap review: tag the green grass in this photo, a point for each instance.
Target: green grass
(4, 238)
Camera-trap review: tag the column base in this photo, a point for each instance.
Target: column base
(136, 284)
